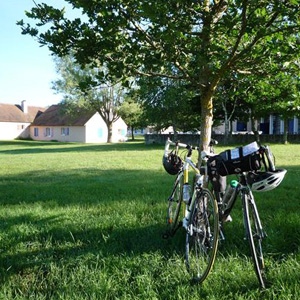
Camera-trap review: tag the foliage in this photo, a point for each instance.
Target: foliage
(83, 90)
(166, 103)
(203, 41)
(132, 113)
(231, 102)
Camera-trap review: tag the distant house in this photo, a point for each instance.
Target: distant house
(53, 124)
(15, 120)
(272, 124)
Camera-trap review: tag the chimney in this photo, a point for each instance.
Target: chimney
(24, 107)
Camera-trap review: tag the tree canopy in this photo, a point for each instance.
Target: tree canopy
(132, 114)
(201, 42)
(82, 89)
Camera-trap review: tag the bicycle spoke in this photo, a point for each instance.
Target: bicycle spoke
(254, 236)
(174, 207)
(202, 236)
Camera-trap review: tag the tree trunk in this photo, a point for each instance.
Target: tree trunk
(254, 125)
(285, 134)
(226, 121)
(206, 125)
(206, 120)
(175, 132)
(132, 134)
(109, 131)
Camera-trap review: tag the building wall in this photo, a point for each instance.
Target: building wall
(13, 130)
(76, 133)
(96, 130)
(119, 131)
(237, 139)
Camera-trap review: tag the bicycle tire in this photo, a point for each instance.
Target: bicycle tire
(174, 206)
(254, 237)
(202, 236)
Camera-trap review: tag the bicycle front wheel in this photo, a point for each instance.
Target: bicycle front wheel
(202, 236)
(174, 206)
(254, 235)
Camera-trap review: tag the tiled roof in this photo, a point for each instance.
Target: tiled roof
(14, 113)
(54, 116)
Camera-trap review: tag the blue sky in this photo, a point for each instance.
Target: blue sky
(26, 69)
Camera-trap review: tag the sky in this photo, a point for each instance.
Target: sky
(26, 69)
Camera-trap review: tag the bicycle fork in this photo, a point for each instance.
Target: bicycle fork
(248, 196)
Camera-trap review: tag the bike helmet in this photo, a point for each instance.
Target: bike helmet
(172, 163)
(265, 181)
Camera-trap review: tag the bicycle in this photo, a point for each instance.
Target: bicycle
(201, 218)
(249, 178)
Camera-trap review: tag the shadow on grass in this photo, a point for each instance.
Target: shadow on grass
(53, 241)
(84, 186)
(26, 147)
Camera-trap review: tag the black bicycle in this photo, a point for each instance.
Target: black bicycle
(246, 162)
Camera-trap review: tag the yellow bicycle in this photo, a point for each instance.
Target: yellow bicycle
(200, 210)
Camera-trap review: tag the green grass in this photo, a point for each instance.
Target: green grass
(85, 222)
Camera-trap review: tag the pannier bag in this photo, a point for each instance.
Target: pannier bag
(235, 161)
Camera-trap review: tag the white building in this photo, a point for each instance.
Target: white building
(54, 124)
(22, 121)
(15, 120)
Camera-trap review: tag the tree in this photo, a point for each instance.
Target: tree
(275, 93)
(203, 41)
(131, 112)
(284, 97)
(82, 89)
(167, 103)
(227, 101)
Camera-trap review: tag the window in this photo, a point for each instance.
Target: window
(36, 131)
(122, 132)
(48, 132)
(65, 131)
(100, 132)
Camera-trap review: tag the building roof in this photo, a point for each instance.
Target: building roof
(14, 113)
(55, 116)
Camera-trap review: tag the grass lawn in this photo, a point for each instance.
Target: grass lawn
(85, 222)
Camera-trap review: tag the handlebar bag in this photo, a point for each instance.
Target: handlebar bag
(235, 161)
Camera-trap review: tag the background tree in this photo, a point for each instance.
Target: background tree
(82, 89)
(132, 112)
(167, 103)
(283, 97)
(228, 102)
(204, 41)
(275, 93)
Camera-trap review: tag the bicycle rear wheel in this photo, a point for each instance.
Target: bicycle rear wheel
(202, 236)
(174, 206)
(254, 235)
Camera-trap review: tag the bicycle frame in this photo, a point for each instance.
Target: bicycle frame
(199, 178)
(242, 190)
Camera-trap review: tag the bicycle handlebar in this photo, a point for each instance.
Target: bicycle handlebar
(204, 154)
(180, 145)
